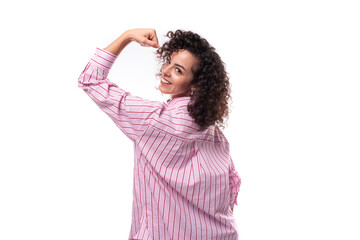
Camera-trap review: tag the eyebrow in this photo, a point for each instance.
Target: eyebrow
(179, 66)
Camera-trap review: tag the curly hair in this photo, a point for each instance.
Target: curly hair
(209, 102)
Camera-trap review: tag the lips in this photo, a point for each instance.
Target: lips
(166, 80)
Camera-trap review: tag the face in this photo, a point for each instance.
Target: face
(178, 71)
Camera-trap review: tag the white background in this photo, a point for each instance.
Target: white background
(66, 169)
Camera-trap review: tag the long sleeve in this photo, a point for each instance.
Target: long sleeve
(234, 184)
(131, 114)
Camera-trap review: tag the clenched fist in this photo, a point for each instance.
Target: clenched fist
(144, 36)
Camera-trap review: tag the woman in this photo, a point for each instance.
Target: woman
(185, 183)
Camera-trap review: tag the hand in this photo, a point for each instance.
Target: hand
(146, 37)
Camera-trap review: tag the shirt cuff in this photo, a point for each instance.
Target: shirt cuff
(104, 59)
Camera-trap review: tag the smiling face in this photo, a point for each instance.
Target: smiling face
(179, 71)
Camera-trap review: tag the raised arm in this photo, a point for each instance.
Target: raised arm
(132, 114)
(145, 37)
(119, 44)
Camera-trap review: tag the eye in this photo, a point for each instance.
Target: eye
(179, 70)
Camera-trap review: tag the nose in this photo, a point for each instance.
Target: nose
(165, 70)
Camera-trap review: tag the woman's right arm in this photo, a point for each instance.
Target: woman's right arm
(234, 182)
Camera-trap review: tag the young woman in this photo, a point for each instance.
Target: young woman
(185, 184)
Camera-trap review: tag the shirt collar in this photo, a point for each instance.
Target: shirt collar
(178, 101)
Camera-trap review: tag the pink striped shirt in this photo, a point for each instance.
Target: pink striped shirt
(184, 179)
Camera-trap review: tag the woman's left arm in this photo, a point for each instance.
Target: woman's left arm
(130, 113)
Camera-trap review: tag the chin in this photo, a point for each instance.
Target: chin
(162, 90)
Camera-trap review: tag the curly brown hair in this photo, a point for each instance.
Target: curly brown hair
(209, 102)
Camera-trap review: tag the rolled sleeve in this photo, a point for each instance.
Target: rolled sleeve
(104, 58)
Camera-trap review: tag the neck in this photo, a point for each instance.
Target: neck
(185, 94)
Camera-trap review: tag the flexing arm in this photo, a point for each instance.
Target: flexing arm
(132, 114)
(145, 37)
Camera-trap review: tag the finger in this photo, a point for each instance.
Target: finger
(150, 43)
(156, 39)
(153, 37)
